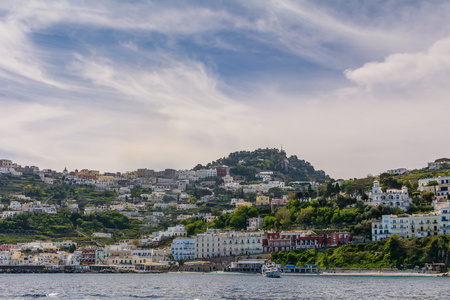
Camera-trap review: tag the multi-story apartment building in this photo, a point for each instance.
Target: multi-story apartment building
(444, 187)
(444, 221)
(241, 242)
(183, 248)
(87, 257)
(424, 225)
(204, 173)
(5, 163)
(413, 226)
(208, 244)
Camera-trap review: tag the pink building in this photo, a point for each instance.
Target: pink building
(278, 202)
(8, 247)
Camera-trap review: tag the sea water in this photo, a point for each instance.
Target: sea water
(216, 286)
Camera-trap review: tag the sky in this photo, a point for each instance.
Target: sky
(353, 87)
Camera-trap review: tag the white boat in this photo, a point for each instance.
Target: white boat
(271, 270)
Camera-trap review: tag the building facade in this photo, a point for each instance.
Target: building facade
(413, 226)
(183, 248)
(392, 197)
(286, 241)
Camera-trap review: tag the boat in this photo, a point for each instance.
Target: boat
(271, 270)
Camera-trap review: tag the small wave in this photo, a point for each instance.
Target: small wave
(146, 297)
(34, 296)
(51, 295)
(99, 295)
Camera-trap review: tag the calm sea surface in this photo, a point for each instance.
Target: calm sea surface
(207, 286)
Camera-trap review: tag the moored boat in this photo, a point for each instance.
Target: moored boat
(271, 270)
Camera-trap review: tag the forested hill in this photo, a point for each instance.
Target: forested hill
(249, 163)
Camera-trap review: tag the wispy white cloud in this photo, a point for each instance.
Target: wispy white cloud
(401, 70)
(126, 105)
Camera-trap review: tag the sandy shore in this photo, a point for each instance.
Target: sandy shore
(392, 274)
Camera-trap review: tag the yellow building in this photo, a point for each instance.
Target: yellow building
(424, 225)
(262, 200)
(243, 203)
(5, 163)
(88, 174)
(130, 175)
(109, 179)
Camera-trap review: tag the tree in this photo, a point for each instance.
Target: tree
(198, 167)
(72, 248)
(305, 215)
(276, 192)
(427, 197)
(32, 191)
(283, 217)
(392, 249)
(269, 222)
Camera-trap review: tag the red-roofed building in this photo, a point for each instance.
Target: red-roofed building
(339, 239)
(286, 241)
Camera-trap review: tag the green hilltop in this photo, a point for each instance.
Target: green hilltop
(248, 163)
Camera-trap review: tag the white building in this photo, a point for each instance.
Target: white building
(444, 221)
(175, 231)
(265, 176)
(102, 235)
(255, 223)
(101, 184)
(65, 258)
(392, 197)
(183, 249)
(4, 258)
(423, 183)
(444, 187)
(161, 205)
(66, 243)
(9, 214)
(413, 226)
(184, 217)
(186, 206)
(15, 205)
(241, 242)
(208, 244)
(204, 173)
(399, 171)
(214, 243)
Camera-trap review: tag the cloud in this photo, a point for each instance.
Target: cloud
(402, 70)
(17, 59)
(116, 85)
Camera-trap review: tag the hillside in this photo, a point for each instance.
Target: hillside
(249, 163)
(392, 253)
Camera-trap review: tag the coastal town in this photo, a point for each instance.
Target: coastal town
(209, 218)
